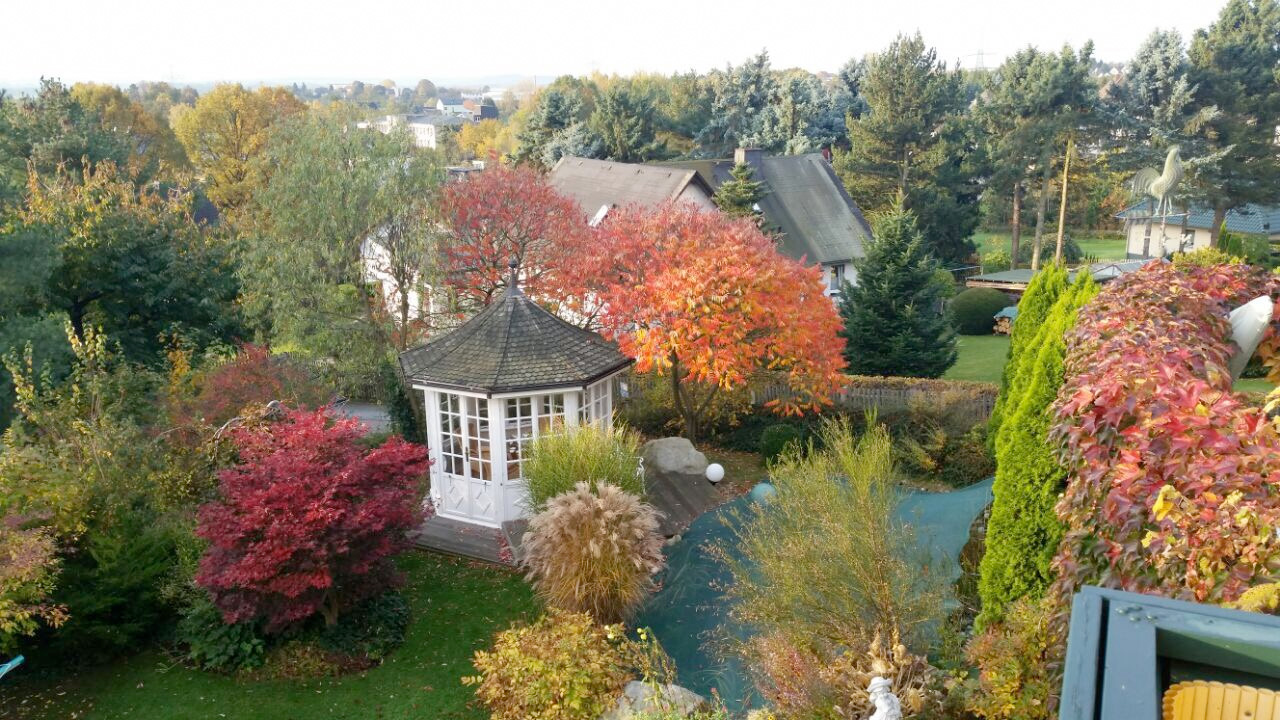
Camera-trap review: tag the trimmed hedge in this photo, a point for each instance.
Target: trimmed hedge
(973, 311)
(1024, 531)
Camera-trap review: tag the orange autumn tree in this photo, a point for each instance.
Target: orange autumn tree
(709, 301)
(501, 214)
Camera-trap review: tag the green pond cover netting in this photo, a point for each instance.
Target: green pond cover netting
(690, 616)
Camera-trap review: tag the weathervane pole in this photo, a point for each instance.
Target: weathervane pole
(513, 281)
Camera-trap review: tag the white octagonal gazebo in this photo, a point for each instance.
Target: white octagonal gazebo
(493, 385)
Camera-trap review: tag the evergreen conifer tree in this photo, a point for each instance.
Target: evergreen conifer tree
(1024, 531)
(1041, 294)
(738, 196)
(893, 319)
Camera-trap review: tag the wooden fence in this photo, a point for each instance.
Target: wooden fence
(895, 394)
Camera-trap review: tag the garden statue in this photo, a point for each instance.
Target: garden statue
(885, 702)
(1159, 185)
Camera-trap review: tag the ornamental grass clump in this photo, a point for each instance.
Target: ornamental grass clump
(584, 453)
(594, 551)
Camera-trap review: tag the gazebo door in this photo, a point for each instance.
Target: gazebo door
(467, 489)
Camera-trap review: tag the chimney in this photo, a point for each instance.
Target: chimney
(750, 156)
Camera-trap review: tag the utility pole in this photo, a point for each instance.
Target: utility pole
(1062, 208)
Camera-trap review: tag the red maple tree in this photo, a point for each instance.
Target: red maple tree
(709, 300)
(308, 521)
(254, 377)
(507, 213)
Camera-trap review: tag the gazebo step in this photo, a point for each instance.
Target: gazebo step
(455, 537)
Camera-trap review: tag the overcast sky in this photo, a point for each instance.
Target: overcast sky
(121, 41)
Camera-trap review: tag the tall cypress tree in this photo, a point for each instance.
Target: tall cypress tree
(1041, 294)
(1024, 531)
(893, 319)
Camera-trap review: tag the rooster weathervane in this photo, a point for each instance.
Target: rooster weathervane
(1160, 185)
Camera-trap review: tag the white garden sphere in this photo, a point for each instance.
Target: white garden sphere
(715, 472)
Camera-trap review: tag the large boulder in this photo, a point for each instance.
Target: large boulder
(673, 456)
(639, 698)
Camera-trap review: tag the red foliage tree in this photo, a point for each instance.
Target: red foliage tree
(709, 300)
(253, 377)
(308, 520)
(1175, 479)
(505, 213)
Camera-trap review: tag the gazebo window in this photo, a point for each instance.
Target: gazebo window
(552, 413)
(520, 424)
(529, 418)
(594, 404)
(478, 434)
(452, 447)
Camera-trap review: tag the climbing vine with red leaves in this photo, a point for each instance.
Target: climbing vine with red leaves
(1175, 478)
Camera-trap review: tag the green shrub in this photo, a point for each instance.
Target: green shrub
(406, 421)
(973, 310)
(1015, 668)
(214, 645)
(372, 629)
(651, 409)
(111, 588)
(1071, 252)
(1024, 531)
(594, 551)
(562, 667)
(996, 261)
(778, 438)
(965, 459)
(1253, 249)
(558, 461)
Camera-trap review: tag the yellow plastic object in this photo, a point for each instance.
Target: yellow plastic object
(1200, 700)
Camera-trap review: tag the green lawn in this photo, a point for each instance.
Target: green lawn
(981, 357)
(1101, 248)
(457, 607)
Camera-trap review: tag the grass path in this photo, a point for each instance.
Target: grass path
(457, 607)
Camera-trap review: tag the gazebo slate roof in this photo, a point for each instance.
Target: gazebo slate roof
(511, 346)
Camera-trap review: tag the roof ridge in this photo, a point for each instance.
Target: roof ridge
(510, 298)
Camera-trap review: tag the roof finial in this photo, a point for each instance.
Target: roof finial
(513, 282)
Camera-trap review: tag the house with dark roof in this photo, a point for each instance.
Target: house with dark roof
(599, 186)
(806, 204)
(1148, 237)
(815, 219)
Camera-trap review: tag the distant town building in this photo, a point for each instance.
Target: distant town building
(479, 110)
(426, 128)
(453, 105)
